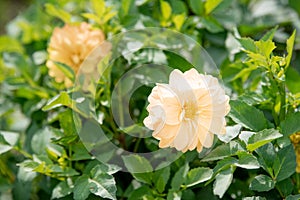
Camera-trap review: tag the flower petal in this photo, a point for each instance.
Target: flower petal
(182, 139)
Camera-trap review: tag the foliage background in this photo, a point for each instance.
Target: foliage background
(41, 156)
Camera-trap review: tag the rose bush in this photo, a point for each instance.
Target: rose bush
(52, 99)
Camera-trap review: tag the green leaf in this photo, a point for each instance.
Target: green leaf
(286, 186)
(10, 138)
(98, 183)
(160, 178)
(90, 16)
(8, 44)
(127, 7)
(198, 175)
(261, 138)
(81, 188)
(265, 47)
(103, 185)
(247, 161)
(98, 7)
(62, 99)
(223, 151)
(67, 120)
(289, 48)
(178, 21)
(293, 197)
(137, 164)
(231, 133)
(262, 183)
(61, 190)
(196, 6)
(174, 195)
(247, 116)
(142, 193)
(285, 163)
(165, 9)
(267, 156)
(104, 169)
(210, 5)
(222, 182)
(41, 140)
(292, 80)
(248, 44)
(270, 34)
(67, 70)
(254, 198)
(180, 177)
(224, 164)
(211, 24)
(57, 12)
(291, 124)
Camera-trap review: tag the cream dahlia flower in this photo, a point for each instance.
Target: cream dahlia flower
(187, 112)
(71, 45)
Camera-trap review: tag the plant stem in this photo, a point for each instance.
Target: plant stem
(70, 155)
(281, 194)
(282, 92)
(137, 144)
(121, 113)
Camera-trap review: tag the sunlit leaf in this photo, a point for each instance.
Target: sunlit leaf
(289, 48)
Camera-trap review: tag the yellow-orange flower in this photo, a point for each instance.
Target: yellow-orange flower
(71, 45)
(187, 112)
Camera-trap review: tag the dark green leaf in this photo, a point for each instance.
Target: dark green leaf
(262, 183)
(141, 193)
(291, 124)
(248, 116)
(211, 24)
(292, 80)
(293, 197)
(267, 156)
(285, 163)
(223, 151)
(180, 177)
(286, 186)
(196, 6)
(81, 188)
(160, 178)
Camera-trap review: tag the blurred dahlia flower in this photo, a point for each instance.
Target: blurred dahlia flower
(187, 112)
(72, 45)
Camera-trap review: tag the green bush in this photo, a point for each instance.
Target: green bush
(45, 149)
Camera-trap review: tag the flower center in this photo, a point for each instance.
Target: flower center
(189, 110)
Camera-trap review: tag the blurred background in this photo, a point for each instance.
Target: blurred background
(10, 9)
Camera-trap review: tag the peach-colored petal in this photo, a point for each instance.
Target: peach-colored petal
(181, 140)
(194, 105)
(167, 132)
(71, 45)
